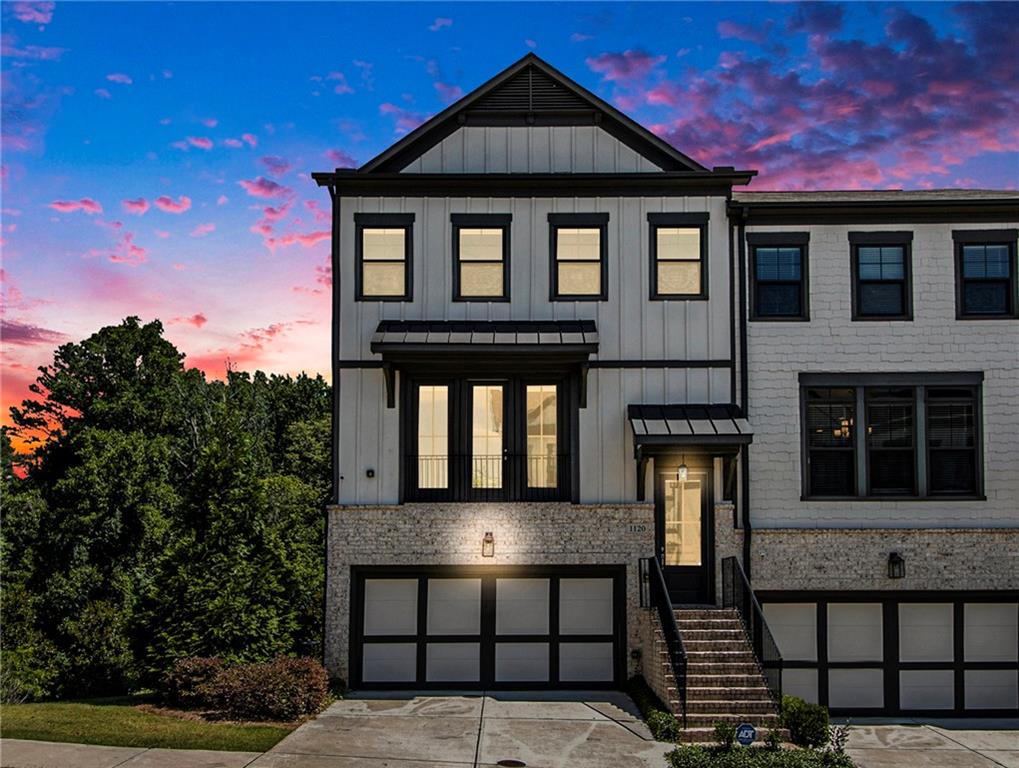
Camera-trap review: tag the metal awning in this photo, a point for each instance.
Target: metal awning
(689, 425)
(455, 343)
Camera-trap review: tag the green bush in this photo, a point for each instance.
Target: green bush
(283, 689)
(807, 723)
(725, 735)
(754, 757)
(662, 723)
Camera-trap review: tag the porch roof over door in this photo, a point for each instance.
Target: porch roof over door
(688, 425)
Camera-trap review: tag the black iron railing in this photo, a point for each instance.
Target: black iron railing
(736, 593)
(660, 600)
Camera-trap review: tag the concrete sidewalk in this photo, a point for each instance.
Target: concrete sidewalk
(935, 746)
(16, 753)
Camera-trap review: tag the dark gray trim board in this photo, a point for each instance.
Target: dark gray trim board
(964, 237)
(850, 379)
(901, 239)
(628, 364)
(877, 212)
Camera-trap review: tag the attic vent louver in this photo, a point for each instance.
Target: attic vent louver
(530, 90)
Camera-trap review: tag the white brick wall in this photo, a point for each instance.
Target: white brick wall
(933, 341)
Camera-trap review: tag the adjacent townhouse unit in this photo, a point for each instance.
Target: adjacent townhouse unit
(552, 332)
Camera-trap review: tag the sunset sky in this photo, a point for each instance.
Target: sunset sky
(156, 157)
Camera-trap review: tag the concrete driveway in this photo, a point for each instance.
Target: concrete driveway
(950, 744)
(583, 730)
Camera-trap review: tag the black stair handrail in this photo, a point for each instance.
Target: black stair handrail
(736, 593)
(661, 601)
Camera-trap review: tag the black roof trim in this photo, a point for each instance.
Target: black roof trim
(564, 108)
(875, 211)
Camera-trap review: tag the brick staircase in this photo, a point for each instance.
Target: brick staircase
(724, 680)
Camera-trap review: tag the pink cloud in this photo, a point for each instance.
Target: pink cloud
(580, 37)
(102, 93)
(276, 166)
(405, 119)
(263, 187)
(161, 233)
(210, 122)
(627, 66)
(307, 240)
(448, 93)
(439, 23)
(235, 143)
(340, 158)
(275, 214)
(250, 139)
(342, 86)
(200, 141)
(128, 252)
(733, 29)
(166, 203)
(119, 77)
(25, 334)
(197, 320)
(10, 50)
(222, 200)
(321, 216)
(34, 12)
(137, 207)
(203, 229)
(86, 204)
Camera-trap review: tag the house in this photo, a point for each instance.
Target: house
(567, 401)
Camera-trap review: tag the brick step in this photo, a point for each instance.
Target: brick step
(713, 669)
(707, 735)
(724, 680)
(766, 707)
(695, 625)
(714, 634)
(738, 656)
(720, 693)
(709, 719)
(707, 612)
(713, 644)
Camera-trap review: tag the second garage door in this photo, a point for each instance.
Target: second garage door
(485, 628)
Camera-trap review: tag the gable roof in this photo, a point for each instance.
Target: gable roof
(530, 92)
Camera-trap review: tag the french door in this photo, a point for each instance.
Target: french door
(684, 533)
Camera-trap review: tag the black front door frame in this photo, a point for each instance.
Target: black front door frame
(682, 580)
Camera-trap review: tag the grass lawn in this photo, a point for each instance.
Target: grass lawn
(118, 722)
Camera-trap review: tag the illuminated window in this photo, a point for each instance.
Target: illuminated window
(486, 436)
(480, 257)
(678, 255)
(579, 256)
(383, 255)
(542, 438)
(433, 437)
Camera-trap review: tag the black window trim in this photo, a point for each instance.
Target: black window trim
(1008, 237)
(481, 221)
(904, 239)
(404, 221)
(920, 383)
(697, 220)
(799, 240)
(599, 221)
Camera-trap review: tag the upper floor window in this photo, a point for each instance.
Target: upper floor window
(986, 273)
(579, 262)
(778, 275)
(891, 436)
(881, 264)
(497, 438)
(481, 250)
(679, 255)
(382, 251)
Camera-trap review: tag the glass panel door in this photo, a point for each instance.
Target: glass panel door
(683, 522)
(486, 435)
(541, 436)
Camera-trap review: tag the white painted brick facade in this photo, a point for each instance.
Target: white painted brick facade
(933, 341)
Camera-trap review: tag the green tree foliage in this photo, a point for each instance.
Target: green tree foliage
(163, 515)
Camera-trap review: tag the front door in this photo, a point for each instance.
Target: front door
(684, 534)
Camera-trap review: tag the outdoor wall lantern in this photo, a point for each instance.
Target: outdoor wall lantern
(683, 472)
(488, 545)
(896, 566)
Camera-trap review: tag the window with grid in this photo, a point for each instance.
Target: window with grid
(480, 257)
(891, 451)
(987, 277)
(542, 436)
(881, 281)
(578, 262)
(779, 286)
(678, 255)
(433, 436)
(830, 423)
(383, 256)
(952, 440)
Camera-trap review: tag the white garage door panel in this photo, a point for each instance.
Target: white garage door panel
(856, 688)
(801, 683)
(990, 631)
(585, 662)
(453, 662)
(927, 689)
(794, 627)
(992, 689)
(585, 606)
(854, 632)
(389, 662)
(521, 662)
(925, 632)
(390, 606)
(521, 606)
(454, 606)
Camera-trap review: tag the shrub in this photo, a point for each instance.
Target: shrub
(184, 685)
(754, 757)
(725, 735)
(807, 723)
(282, 689)
(662, 723)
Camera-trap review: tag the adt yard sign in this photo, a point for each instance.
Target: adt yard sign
(745, 734)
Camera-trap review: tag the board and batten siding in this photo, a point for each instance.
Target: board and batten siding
(934, 340)
(630, 327)
(536, 149)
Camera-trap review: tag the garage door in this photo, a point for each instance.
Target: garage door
(922, 653)
(486, 628)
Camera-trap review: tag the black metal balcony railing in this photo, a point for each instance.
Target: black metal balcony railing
(736, 593)
(506, 476)
(661, 601)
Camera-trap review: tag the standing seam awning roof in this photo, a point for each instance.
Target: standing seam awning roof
(689, 425)
(452, 336)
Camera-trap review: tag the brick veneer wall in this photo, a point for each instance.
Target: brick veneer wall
(655, 666)
(833, 559)
(554, 533)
